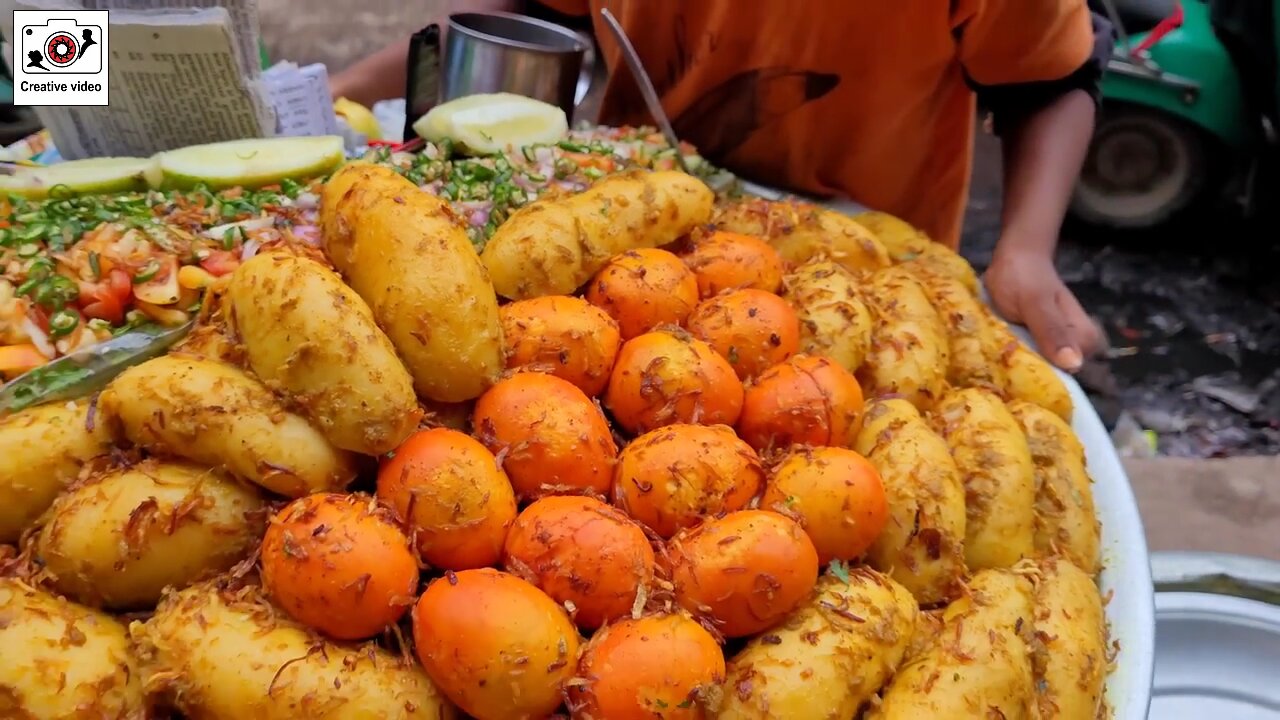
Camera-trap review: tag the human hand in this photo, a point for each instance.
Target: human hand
(1026, 288)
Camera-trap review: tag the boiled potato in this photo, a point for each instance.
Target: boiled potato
(1031, 378)
(220, 654)
(1066, 521)
(979, 666)
(906, 243)
(211, 341)
(42, 450)
(909, 352)
(62, 661)
(217, 415)
(828, 657)
(973, 342)
(345, 194)
(991, 453)
(1022, 374)
(1070, 650)
(403, 251)
(119, 539)
(834, 321)
(928, 628)
(802, 231)
(313, 339)
(922, 545)
(554, 246)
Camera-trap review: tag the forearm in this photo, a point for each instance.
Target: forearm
(1043, 153)
(381, 76)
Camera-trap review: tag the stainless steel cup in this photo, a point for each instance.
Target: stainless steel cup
(504, 52)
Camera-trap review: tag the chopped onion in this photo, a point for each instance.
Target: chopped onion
(39, 338)
(307, 234)
(249, 250)
(307, 201)
(479, 218)
(258, 223)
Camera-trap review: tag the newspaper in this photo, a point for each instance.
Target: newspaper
(301, 100)
(244, 22)
(176, 78)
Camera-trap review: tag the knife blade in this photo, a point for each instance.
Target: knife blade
(84, 372)
(647, 90)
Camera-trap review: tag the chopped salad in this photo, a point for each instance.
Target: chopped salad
(484, 191)
(78, 270)
(75, 271)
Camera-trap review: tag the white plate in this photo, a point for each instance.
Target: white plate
(1127, 572)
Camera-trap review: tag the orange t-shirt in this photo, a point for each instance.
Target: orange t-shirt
(863, 98)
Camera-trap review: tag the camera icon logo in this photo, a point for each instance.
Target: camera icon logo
(60, 57)
(61, 46)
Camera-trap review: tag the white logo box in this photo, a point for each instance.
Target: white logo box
(60, 57)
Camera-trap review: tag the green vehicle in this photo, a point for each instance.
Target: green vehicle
(1189, 115)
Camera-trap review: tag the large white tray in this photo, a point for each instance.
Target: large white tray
(1127, 573)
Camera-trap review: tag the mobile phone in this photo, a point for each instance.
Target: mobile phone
(422, 81)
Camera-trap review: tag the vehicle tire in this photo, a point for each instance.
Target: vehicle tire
(1144, 168)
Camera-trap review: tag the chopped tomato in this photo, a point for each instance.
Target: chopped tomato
(119, 284)
(591, 160)
(220, 262)
(107, 307)
(108, 299)
(17, 359)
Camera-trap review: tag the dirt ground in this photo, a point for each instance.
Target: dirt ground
(1192, 313)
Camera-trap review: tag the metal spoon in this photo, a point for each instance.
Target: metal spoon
(646, 85)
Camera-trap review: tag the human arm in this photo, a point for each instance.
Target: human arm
(381, 76)
(1044, 112)
(1043, 152)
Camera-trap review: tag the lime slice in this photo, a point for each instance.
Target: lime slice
(251, 163)
(488, 124)
(95, 176)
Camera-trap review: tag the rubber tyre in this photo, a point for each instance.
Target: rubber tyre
(1165, 172)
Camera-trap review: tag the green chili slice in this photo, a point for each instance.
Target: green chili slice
(148, 271)
(63, 322)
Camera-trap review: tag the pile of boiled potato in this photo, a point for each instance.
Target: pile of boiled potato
(649, 455)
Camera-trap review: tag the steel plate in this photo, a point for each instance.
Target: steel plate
(1217, 657)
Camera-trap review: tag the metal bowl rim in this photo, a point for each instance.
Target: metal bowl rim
(577, 44)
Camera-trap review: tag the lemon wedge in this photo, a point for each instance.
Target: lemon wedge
(359, 117)
(488, 124)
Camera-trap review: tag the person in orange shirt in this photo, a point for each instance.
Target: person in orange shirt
(875, 101)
